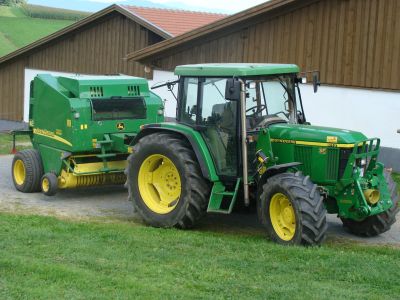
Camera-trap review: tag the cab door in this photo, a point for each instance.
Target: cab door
(219, 118)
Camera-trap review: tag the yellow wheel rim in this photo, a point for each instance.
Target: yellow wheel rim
(45, 185)
(19, 172)
(283, 217)
(159, 184)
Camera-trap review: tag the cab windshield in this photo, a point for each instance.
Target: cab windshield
(271, 99)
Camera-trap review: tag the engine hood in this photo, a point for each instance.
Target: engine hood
(308, 133)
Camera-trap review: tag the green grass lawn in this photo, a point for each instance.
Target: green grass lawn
(45, 258)
(22, 142)
(18, 30)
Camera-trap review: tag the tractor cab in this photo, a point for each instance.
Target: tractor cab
(211, 104)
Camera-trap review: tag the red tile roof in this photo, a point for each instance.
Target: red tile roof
(174, 22)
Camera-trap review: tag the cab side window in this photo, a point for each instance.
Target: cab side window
(189, 101)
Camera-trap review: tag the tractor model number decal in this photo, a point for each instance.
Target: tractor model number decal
(331, 139)
(121, 126)
(283, 141)
(316, 144)
(51, 135)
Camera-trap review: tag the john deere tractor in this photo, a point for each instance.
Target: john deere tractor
(241, 135)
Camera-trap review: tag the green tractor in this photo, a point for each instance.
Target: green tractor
(241, 134)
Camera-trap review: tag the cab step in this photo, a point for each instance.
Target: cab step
(219, 195)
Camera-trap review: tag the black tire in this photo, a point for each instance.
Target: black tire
(49, 184)
(307, 203)
(195, 190)
(33, 167)
(375, 225)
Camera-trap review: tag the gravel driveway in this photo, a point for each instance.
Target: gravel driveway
(110, 203)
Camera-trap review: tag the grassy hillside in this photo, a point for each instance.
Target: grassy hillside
(44, 12)
(18, 28)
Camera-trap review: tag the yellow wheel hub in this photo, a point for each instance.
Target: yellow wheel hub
(45, 185)
(159, 184)
(283, 217)
(19, 172)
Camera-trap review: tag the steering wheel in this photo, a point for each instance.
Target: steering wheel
(259, 108)
(283, 113)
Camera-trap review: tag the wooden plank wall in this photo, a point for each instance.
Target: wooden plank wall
(98, 49)
(353, 43)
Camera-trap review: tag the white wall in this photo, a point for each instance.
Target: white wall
(375, 113)
(29, 76)
(170, 102)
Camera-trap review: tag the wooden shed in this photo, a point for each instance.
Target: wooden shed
(97, 44)
(354, 43)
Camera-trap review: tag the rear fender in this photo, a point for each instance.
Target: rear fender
(195, 140)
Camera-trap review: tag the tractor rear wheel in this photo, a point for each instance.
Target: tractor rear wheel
(27, 171)
(292, 210)
(375, 225)
(165, 182)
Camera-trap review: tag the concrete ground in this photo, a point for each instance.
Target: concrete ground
(110, 203)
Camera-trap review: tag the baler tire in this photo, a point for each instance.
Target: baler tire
(306, 202)
(378, 224)
(33, 171)
(49, 184)
(195, 190)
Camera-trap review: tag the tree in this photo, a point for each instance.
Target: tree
(12, 2)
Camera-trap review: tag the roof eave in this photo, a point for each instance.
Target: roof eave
(145, 53)
(139, 19)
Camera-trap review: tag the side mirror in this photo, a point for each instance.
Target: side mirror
(316, 81)
(300, 118)
(232, 89)
(301, 79)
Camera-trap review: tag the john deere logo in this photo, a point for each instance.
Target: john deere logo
(120, 126)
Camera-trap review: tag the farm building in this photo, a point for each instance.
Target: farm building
(97, 44)
(354, 43)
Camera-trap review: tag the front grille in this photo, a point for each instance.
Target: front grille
(344, 158)
(332, 164)
(303, 154)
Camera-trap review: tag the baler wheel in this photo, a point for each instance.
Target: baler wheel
(375, 225)
(27, 170)
(49, 184)
(165, 182)
(292, 210)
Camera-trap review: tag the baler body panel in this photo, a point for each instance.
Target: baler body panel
(88, 122)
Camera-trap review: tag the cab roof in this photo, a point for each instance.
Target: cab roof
(235, 69)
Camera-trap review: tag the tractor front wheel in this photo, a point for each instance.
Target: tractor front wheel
(375, 225)
(165, 182)
(292, 210)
